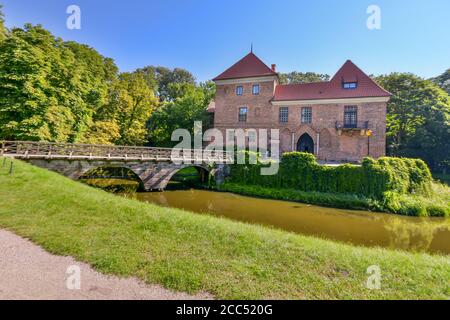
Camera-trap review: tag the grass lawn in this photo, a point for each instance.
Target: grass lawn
(190, 252)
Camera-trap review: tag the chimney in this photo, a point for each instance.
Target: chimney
(274, 67)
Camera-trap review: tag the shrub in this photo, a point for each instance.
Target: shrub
(300, 171)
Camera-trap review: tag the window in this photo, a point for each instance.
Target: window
(239, 90)
(243, 114)
(306, 115)
(284, 114)
(350, 85)
(350, 116)
(256, 89)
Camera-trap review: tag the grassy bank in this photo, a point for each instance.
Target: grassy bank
(190, 252)
(396, 185)
(438, 204)
(113, 185)
(335, 200)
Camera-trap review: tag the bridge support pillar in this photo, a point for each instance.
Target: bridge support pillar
(220, 173)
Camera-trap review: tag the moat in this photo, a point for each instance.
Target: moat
(350, 226)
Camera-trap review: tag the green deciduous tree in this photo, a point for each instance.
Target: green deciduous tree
(443, 81)
(180, 113)
(39, 96)
(132, 102)
(160, 78)
(54, 90)
(2, 25)
(302, 77)
(418, 120)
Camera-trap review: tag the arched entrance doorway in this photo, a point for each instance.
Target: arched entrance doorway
(305, 144)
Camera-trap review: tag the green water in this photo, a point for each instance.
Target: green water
(356, 227)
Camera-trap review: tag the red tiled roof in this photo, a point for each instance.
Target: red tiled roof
(249, 66)
(333, 89)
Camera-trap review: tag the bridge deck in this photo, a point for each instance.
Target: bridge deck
(69, 151)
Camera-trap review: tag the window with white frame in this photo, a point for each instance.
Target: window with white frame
(350, 85)
(284, 114)
(239, 90)
(255, 89)
(350, 116)
(306, 114)
(243, 114)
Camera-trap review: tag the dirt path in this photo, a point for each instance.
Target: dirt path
(29, 272)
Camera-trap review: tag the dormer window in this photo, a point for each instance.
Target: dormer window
(350, 85)
(255, 89)
(239, 90)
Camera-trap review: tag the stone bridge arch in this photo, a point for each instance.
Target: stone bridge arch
(154, 166)
(153, 175)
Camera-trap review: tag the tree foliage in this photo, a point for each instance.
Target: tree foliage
(41, 92)
(133, 102)
(2, 25)
(443, 81)
(295, 77)
(160, 80)
(189, 105)
(64, 91)
(418, 120)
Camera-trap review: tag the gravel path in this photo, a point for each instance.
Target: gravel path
(29, 272)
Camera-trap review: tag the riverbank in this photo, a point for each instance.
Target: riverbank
(195, 253)
(436, 205)
(395, 185)
(333, 200)
(356, 227)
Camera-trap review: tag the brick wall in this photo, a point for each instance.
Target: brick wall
(333, 145)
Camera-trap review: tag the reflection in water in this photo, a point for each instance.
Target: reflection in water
(358, 227)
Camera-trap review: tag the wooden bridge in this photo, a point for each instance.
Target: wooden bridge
(154, 166)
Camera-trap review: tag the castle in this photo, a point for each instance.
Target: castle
(342, 120)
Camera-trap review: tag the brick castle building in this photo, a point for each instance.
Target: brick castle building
(343, 119)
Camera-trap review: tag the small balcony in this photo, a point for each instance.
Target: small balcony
(352, 127)
(359, 125)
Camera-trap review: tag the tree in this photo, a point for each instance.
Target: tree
(38, 96)
(443, 81)
(97, 76)
(132, 102)
(49, 89)
(300, 77)
(418, 119)
(2, 25)
(180, 113)
(160, 78)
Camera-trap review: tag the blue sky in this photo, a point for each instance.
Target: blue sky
(207, 36)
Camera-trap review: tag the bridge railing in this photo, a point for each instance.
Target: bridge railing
(53, 150)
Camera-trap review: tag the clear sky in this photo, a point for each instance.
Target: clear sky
(207, 36)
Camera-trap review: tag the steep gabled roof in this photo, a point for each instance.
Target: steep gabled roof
(333, 89)
(249, 66)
